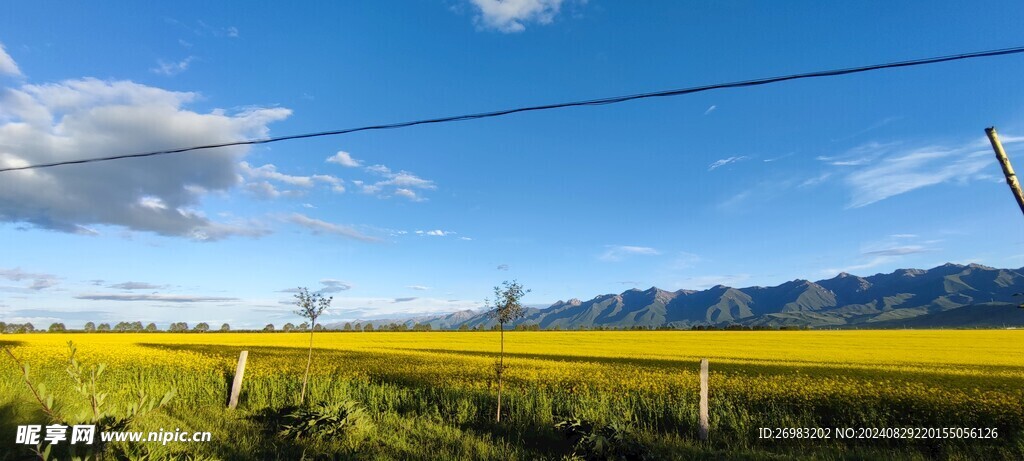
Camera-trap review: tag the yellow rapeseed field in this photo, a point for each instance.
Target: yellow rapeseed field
(984, 364)
(940, 378)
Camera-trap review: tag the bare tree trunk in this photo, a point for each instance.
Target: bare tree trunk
(309, 360)
(501, 366)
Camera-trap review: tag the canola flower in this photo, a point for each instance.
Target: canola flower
(962, 377)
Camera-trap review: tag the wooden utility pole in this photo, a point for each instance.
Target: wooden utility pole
(1004, 161)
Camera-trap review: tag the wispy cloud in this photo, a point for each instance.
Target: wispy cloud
(907, 170)
(319, 226)
(502, 267)
(39, 281)
(334, 286)
(758, 193)
(888, 250)
(401, 184)
(418, 287)
(854, 268)
(266, 190)
(872, 127)
(136, 286)
(620, 252)
(899, 251)
(860, 155)
(876, 171)
(726, 161)
(409, 194)
(775, 159)
(347, 309)
(811, 182)
(172, 68)
(435, 233)
(710, 109)
(151, 297)
(269, 172)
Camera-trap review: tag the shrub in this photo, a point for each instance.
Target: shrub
(324, 421)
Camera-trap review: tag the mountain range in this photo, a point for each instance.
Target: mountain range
(948, 296)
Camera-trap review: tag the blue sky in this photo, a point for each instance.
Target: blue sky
(864, 173)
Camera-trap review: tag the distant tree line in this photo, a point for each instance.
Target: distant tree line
(183, 327)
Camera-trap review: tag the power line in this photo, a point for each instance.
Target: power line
(589, 102)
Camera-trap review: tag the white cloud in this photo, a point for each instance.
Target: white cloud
(435, 233)
(811, 182)
(409, 194)
(39, 281)
(269, 171)
(346, 308)
(406, 179)
(620, 252)
(899, 251)
(89, 117)
(418, 287)
(265, 190)
(232, 31)
(860, 155)
(7, 64)
(334, 285)
(344, 159)
(854, 268)
(899, 245)
(151, 297)
(725, 161)
(379, 169)
(465, 238)
(710, 109)
(513, 15)
(172, 68)
(889, 250)
(775, 159)
(318, 226)
(335, 183)
(401, 184)
(136, 286)
(152, 202)
(891, 172)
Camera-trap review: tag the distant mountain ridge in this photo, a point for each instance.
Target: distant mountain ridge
(947, 296)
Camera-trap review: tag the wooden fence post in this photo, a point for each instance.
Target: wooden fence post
(236, 386)
(703, 422)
